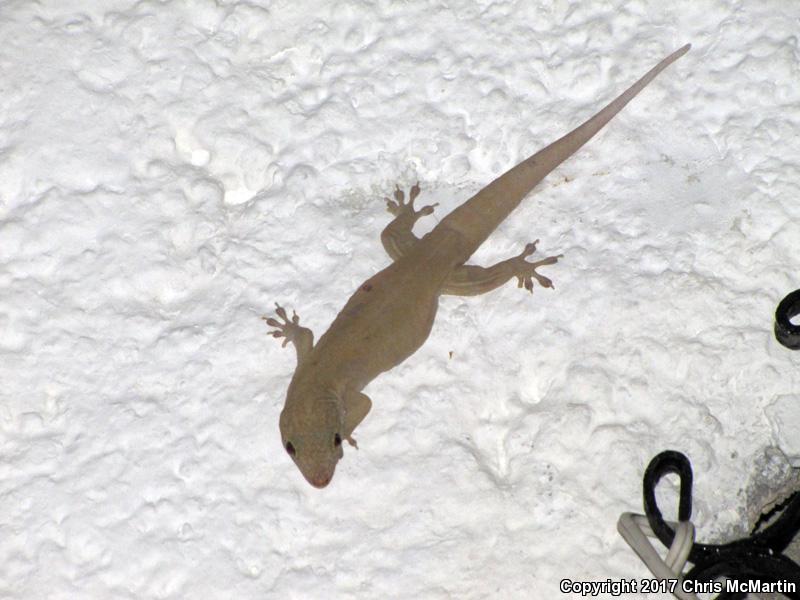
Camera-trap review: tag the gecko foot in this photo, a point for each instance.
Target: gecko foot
(525, 271)
(289, 330)
(399, 206)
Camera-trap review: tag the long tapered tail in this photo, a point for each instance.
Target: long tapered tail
(481, 214)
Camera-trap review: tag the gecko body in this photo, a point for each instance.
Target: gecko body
(391, 314)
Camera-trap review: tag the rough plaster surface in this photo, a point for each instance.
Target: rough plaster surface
(170, 169)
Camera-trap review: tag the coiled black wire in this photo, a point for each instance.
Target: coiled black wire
(785, 332)
(756, 557)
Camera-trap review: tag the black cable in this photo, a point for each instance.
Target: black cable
(785, 332)
(758, 557)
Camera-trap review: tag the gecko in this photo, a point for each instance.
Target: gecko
(390, 315)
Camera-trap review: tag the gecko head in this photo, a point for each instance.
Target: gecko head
(313, 440)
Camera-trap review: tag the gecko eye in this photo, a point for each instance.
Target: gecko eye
(290, 449)
(337, 440)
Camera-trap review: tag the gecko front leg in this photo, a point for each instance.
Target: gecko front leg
(356, 407)
(472, 280)
(397, 237)
(301, 337)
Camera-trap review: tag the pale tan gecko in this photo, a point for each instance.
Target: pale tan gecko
(391, 314)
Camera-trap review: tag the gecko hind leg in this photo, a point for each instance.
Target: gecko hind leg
(472, 280)
(397, 237)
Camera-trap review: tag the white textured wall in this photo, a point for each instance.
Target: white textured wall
(169, 169)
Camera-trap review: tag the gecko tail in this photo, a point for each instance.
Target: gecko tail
(535, 168)
(482, 213)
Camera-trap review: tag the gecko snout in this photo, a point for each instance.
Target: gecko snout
(320, 480)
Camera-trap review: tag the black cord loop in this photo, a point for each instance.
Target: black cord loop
(785, 332)
(756, 557)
